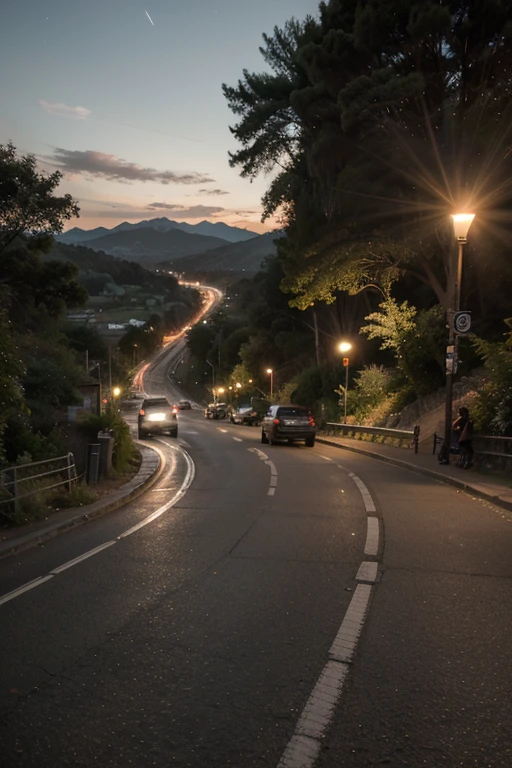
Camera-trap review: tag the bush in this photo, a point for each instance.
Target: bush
(111, 419)
(79, 496)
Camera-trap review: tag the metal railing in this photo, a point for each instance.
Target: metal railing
(411, 436)
(484, 445)
(52, 472)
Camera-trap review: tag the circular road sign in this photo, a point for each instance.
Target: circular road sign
(462, 322)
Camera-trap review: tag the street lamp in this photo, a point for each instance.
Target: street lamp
(344, 347)
(457, 323)
(271, 372)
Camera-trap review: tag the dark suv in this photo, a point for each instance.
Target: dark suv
(157, 416)
(288, 422)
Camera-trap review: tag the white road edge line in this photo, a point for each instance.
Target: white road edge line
(189, 477)
(24, 588)
(80, 558)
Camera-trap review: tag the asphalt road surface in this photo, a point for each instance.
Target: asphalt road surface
(212, 613)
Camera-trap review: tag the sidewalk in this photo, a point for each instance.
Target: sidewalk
(14, 540)
(485, 486)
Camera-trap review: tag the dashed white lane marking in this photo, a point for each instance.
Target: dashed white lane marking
(368, 571)
(273, 471)
(221, 430)
(37, 582)
(304, 747)
(345, 641)
(372, 536)
(238, 439)
(326, 458)
(259, 453)
(365, 493)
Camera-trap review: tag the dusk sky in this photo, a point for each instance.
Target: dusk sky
(124, 97)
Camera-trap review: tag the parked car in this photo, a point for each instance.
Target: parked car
(157, 416)
(288, 422)
(216, 411)
(184, 405)
(246, 414)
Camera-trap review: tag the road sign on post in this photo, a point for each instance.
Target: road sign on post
(462, 322)
(346, 361)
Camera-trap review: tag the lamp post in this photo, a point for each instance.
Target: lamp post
(271, 372)
(344, 347)
(461, 225)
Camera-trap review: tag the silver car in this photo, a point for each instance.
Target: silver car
(288, 422)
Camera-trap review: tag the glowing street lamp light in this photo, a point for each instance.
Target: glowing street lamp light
(116, 391)
(458, 322)
(271, 373)
(344, 347)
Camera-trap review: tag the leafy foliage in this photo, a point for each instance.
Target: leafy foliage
(28, 205)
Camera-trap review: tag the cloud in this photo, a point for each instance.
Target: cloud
(62, 110)
(193, 212)
(99, 164)
(212, 192)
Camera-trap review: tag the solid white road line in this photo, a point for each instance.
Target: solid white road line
(24, 588)
(80, 558)
(179, 493)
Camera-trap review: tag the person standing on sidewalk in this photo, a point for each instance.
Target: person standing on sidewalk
(462, 428)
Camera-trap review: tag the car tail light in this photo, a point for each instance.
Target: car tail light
(276, 421)
(312, 421)
(174, 409)
(141, 412)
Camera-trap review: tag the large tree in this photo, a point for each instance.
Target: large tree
(402, 112)
(28, 205)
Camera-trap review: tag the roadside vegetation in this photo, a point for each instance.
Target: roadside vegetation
(47, 361)
(379, 120)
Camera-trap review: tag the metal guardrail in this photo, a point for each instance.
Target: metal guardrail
(412, 436)
(484, 445)
(53, 472)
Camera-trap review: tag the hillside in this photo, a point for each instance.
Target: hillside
(122, 272)
(233, 257)
(148, 246)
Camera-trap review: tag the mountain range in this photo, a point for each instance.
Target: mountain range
(183, 247)
(218, 229)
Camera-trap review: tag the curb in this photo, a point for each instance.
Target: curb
(497, 500)
(149, 472)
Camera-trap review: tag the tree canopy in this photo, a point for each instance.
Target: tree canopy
(379, 120)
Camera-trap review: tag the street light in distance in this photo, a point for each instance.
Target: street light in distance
(458, 323)
(344, 347)
(271, 373)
